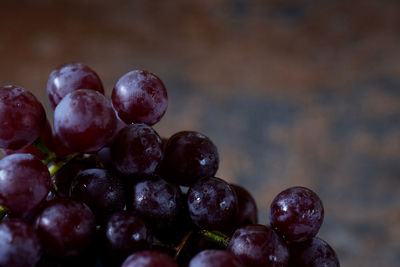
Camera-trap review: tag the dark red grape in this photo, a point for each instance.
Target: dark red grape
(71, 77)
(248, 213)
(215, 258)
(136, 150)
(19, 244)
(84, 121)
(31, 149)
(158, 202)
(22, 117)
(101, 190)
(149, 258)
(212, 204)
(140, 96)
(189, 156)
(126, 233)
(66, 227)
(312, 253)
(259, 246)
(297, 213)
(24, 182)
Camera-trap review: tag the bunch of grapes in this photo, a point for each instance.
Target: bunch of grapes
(104, 189)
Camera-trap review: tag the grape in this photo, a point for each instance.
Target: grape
(66, 227)
(84, 121)
(31, 149)
(189, 156)
(19, 244)
(149, 258)
(247, 213)
(212, 204)
(22, 117)
(158, 202)
(68, 78)
(259, 245)
(24, 182)
(136, 150)
(140, 96)
(126, 233)
(313, 253)
(215, 258)
(297, 213)
(101, 190)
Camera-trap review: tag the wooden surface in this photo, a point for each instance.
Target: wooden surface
(292, 92)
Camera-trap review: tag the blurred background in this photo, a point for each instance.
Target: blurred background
(292, 92)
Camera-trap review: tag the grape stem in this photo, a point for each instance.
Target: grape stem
(216, 237)
(57, 165)
(182, 244)
(3, 212)
(49, 156)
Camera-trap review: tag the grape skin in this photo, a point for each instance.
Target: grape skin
(140, 97)
(24, 182)
(84, 121)
(22, 117)
(149, 258)
(297, 213)
(66, 227)
(215, 258)
(71, 77)
(19, 244)
(212, 204)
(259, 246)
(248, 212)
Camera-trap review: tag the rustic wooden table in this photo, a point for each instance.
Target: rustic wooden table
(292, 92)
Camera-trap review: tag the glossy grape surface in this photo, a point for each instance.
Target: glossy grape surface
(71, 77)
(101, 190)
(189, 156)
(125, 234)
(84, 121)
(259, 246)
(248, 213)
(149, 258)
(158, 202)
(136, 150)
(297, 213)
(212, 204)
(19, 244)
(24, 182)
(215, 258)
(313, 253)
(22, 117)
(66, 227)
(140, 96)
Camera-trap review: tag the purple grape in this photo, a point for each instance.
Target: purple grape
(24, 182)
(149, 258)
(158, 202)
(136, 150)
(313, 253)
(101, 190)
(71, 77)
(22, 117)
(125, 234)
(212, 204)
(248, 213)
(189, 156)
(215, 258)
(140, 97)
(84, 121)
(297, 213)
(19, 244)
(259, 245)
(66, 228)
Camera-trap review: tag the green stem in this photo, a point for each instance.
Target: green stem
(216, 237)
(3, 212)
(49, 156)
(57, 165)
(182, 244)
